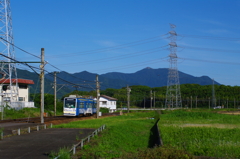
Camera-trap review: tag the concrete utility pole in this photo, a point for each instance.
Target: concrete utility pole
(55, 93)
(191, 102)
(128, 97)
(144, 102)
(151, 99)
(209, 102)
(196, 101)
(227, 102)
(42, 84)
(213, 95)
(98, 95)
(154, 99)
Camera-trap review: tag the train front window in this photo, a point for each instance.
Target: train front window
(69, 103)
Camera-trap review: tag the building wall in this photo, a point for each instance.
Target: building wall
(105, 103)
(23, 94)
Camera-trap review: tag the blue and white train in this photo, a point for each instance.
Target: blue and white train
(73, 106)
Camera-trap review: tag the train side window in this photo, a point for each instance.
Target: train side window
(81, 105)
(90, 105)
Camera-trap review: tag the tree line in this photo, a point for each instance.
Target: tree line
(192, 95)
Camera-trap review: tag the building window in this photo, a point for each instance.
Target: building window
(6, 99)
(104, 102)
(23, 86)
(21, 99)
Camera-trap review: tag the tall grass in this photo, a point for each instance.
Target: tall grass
(200, 117)
(182, 131)
(199, 139)
(124, 134)
(10, 113)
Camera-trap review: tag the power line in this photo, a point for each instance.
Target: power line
(20, 48)
(211, 49)
(119, 57)
(210, 61)
(35, 56)
(210, 37)
(113, 48)
(132, 65)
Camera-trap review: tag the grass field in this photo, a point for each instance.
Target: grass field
(10, 113)
(184, 133)
(202, 133)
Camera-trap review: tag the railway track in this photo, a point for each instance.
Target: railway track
(33, 120)
(54, 119)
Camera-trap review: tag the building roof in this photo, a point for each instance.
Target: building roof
(107, 97)
(20, 81)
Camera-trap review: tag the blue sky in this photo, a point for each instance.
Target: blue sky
(129, 35)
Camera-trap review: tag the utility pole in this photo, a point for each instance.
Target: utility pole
(213, 95)
(154, 99)
(196, 101)
(128, 97)
(144, 102)
(98, 95)
(2, 110)
(234, 103)
(55, 93)
(209, 102)
(227, 102)
(151, 99)
(42, 84)
(191, 102)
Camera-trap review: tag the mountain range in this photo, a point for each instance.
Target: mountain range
(147, 76)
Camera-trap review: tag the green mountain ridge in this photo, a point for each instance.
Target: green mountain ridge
(86, 80)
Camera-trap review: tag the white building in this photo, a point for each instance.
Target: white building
(108, 102)
(19, 100)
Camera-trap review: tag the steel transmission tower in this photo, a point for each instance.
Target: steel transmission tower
(173, 94)
(7, 66)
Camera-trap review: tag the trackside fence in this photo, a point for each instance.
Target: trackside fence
(85, 140)
(20, 131)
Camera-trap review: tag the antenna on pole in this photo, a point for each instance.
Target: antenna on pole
(173, 94)
(7, 50)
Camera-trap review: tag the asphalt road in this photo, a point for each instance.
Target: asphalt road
(39, 144)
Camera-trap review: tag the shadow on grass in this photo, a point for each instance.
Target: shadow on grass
(154, 139)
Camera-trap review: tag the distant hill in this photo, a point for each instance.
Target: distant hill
(157, 77)
(35, 88)
(147, 76)
(87, 81)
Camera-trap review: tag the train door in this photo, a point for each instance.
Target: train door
(94, 109)
(81, 107)
(77, 108)
(90, 107)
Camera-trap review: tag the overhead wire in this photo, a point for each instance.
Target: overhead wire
(211, 61)
(210, 37)
(34, 56)
(211, 49)
(133, 65)
(38, 68)
(120, 56)
(19, 48)
(112, 48)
